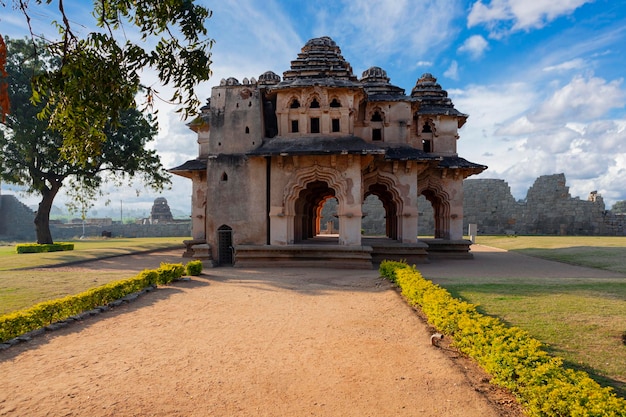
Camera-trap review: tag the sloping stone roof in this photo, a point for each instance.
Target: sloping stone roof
(191, 165)
(317, 145)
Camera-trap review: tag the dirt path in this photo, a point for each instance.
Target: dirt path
(232, 342)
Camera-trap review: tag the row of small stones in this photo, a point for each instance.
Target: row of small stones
(79, 317)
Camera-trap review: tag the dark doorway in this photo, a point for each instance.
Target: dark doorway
(225, 245)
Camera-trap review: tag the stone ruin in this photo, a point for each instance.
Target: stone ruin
(160, 212)
(548, 209)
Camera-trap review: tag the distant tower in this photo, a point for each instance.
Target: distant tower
(160, 212)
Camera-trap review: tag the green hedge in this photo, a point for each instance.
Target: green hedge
(194, 268)
(39, 248)
(48, 312)
(514, 359)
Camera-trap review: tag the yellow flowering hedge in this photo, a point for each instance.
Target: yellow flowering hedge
(45, 313)
(513, 358)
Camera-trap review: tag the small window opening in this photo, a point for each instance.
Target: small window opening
(247, 130)
(295, 104)
(315, 104)
(335, 103)
(315, 125)
(376, 117)
(249, 104)
(237, 105)
(224, 177)
(377, 134)
(427, 146)
(335, 125)
(426, 128)
(294, 126)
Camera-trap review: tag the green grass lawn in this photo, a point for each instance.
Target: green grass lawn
(22, 284)
(581, 320)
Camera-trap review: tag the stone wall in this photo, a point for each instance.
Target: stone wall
(16, 220)
(548, 209)
(16, 225)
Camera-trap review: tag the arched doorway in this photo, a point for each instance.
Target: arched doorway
(389, 205)
(374, 222)
(441, 212)
(225, 245)
(308, 207)
(329, 221)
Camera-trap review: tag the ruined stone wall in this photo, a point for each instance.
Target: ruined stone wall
(16, 220)
(16, 225)
(548, 209)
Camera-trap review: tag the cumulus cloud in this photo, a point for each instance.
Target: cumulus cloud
(525, 130)
(475, 46)
(583, 98)
(504, 16)
(453, 71)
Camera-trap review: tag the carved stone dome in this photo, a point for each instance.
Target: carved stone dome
(427, 86)
(376, 83)
(374, 74)
(269, 78)
(433, 99)
(319, 62)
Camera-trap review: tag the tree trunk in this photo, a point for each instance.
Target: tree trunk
(42, 218)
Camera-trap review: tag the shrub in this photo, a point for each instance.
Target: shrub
(39, 248)
(169, 272)
(194, 268)
(48, 312)
(515, 360)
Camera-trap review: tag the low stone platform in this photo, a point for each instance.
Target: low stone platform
(325, 252)
(388, 249)
(305, 255)
(448, 249)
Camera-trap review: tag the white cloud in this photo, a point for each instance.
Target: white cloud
(504, 16)
(582, 99)
(410, 30)
(453, 71)
(475, 46)
(566, 66)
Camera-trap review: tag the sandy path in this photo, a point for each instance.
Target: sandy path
(247, 343)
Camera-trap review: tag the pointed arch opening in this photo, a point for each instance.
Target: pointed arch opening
(308, 209)
(441, 212)
(386, 198)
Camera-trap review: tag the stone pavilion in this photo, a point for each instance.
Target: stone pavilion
(272, 151)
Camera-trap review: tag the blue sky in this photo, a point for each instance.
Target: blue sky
(542, 80)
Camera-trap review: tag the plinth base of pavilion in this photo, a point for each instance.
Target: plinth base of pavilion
(448, 249)
(305, 255)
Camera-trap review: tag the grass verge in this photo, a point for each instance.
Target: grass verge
(582, 320)
(24, 281)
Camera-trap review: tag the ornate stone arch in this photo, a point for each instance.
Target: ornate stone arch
(293, 100)
(385, 186)
(435, 192)
(314, 96)
(371, 112)
(304, 176)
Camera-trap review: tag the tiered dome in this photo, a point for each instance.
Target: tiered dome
(320, 59)
(269, 78)
(433, 99)
(376, 84)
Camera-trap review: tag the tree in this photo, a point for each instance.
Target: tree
(98, 76)
(30, 150)
(619, 207)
